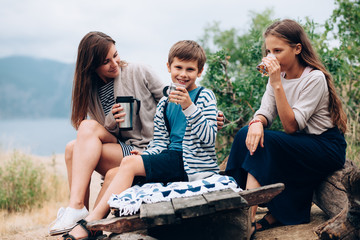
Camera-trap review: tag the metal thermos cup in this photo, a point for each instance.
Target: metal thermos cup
(172, 87)
(127, 102)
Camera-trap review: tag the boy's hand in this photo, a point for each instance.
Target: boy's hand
(181, 96)
(119, 117)
(135, 152)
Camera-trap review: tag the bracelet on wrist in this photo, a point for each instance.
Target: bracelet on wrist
(254, 121)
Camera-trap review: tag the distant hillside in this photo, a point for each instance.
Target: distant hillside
(34, 88)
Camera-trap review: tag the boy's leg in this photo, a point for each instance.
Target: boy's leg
(130, 167)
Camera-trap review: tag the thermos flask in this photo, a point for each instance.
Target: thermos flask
(127, 102)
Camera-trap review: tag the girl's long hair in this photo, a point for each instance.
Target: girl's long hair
(293, 33)
(92, 52)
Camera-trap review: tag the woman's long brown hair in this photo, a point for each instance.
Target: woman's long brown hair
(293, 33)
(92, 52)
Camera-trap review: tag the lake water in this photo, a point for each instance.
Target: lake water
(42, 137)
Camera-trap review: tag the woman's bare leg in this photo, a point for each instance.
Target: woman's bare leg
(86, 155)
(110, 175)
(68, 161)
(111, 156)
(130, 167)
(109, 160)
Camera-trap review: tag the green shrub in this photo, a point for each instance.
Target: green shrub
(21, 184)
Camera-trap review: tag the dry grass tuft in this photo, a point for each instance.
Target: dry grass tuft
(56, 191)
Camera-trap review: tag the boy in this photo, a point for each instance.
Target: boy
(190, 136)
(184, 135)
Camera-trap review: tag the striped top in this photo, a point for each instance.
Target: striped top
(106, 95)
(199, 140)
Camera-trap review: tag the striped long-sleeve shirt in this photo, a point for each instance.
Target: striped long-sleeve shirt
(200, 134)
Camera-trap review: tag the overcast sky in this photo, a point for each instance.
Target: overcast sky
(144, 30)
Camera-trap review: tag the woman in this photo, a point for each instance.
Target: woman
(100, 76)
(301, 92)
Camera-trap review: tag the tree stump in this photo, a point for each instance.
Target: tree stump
(339, 197)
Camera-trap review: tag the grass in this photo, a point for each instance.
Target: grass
(353, 139)
(32, 189)
(22, 184)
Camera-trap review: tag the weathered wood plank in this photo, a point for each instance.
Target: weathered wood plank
(224, 200)
(158, 213)
(187, 208)
(118, 224)
(262, 194)
(191, 206)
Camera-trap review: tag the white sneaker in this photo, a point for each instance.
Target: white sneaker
(66, 220)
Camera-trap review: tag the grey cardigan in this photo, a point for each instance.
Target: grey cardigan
(142, 83)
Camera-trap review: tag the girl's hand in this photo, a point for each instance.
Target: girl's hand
(116, 109)
(181, 96)
(273, 68)
(254, 136)
(135, 152)
(220, 120)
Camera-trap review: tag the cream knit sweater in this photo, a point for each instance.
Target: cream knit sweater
(140, 82)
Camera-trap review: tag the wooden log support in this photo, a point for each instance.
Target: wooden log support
(225, 225)
(331, 195)
(344, 225)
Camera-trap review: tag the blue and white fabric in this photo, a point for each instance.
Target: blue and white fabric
(129, 201)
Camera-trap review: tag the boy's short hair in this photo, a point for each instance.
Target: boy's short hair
(188, 50)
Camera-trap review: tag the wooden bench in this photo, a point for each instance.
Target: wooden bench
(216, 215)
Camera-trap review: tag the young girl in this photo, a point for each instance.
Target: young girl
(301, 91)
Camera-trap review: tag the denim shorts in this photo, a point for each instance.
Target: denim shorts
(167, 166)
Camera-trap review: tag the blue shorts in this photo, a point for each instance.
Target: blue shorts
(167, 166)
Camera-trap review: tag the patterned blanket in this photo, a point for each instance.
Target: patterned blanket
(129, 201)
